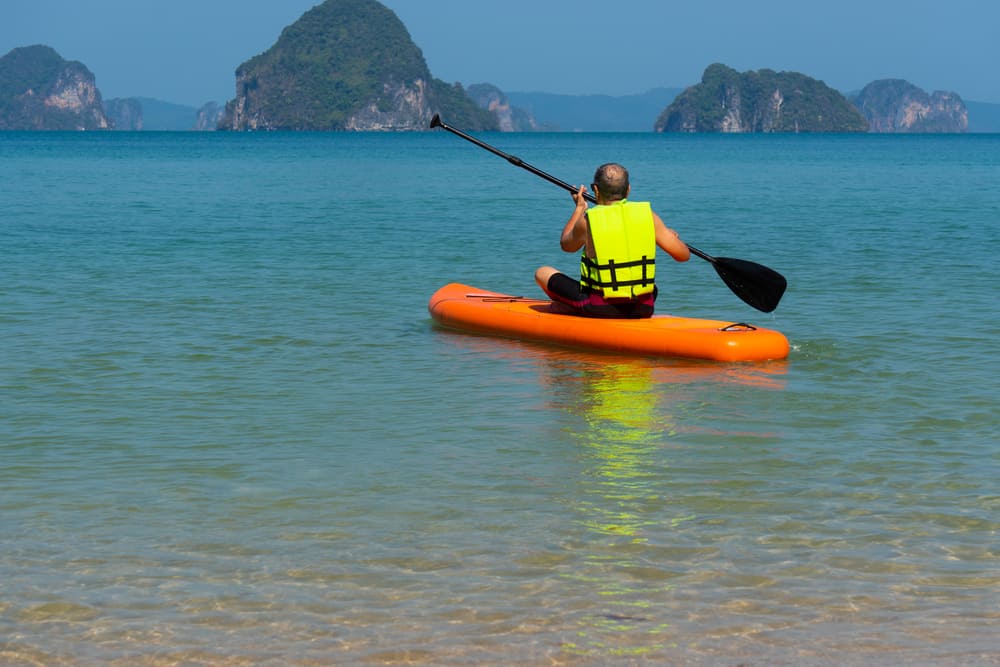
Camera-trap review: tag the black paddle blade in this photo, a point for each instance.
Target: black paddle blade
(756, 284)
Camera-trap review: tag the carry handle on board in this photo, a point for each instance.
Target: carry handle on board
(756, 284)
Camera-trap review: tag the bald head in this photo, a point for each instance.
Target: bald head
(611, 181)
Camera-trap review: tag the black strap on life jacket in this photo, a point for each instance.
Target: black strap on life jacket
(613, 267)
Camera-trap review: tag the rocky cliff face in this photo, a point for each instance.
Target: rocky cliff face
(400, 106)
(41, 91)
(345, 65)
(895, 105)
(510, 118)
(208, 117)
(761, 101)
(124, 114)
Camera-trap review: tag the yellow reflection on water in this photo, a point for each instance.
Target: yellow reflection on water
(625, 416)
(626, 424)
(631, 413)
(622, 429)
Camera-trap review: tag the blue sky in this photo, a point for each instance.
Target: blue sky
(186, 51)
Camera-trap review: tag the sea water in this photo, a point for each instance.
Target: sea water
(230, 433)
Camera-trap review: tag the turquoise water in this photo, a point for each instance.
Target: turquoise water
(230, 433)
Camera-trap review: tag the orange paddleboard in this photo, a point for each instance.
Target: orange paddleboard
(475, 310)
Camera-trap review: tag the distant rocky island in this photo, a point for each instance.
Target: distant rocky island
(125, 114)
(509, 118)
(760, 101)
(346, 65)
(39, 90)
(895, 105)
(351, 65)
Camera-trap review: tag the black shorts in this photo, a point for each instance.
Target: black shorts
(570, 292)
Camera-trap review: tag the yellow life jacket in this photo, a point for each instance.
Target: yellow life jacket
(625, 247)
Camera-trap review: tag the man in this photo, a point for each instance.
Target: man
(619, 240)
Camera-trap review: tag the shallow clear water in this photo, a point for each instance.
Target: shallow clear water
(230, 434)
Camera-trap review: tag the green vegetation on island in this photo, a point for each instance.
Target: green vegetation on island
(759, 101)
(346, 65)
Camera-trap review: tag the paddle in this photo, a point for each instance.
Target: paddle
(756, 284)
